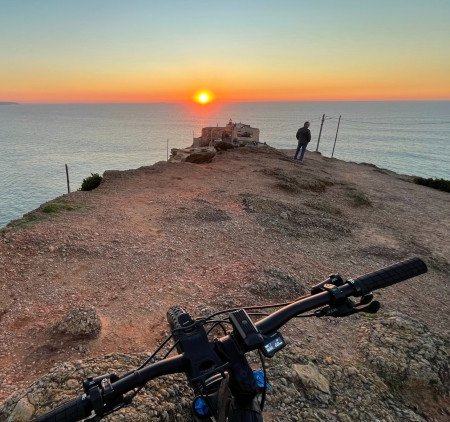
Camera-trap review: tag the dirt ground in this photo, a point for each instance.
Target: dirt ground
(204, 236)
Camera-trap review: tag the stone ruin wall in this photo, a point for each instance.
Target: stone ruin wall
(211, 134)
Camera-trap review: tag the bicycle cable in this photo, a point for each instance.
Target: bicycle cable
(247, 308)
(155, 352)
(263, 394)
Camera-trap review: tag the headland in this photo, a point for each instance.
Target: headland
(251, 227)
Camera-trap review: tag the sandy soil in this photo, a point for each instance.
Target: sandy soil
(202, 236)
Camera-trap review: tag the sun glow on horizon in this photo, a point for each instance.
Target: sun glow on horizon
(203, 97)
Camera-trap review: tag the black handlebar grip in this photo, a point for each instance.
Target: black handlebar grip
(388, 276)
(70, 411)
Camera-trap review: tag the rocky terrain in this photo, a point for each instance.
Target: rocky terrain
(84, 288)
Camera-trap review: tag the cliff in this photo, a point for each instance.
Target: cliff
(251, 227)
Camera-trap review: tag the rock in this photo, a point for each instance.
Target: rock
(63, 383)
(314, 384)
(201, 157)
(406, 355)
(343, 417)
(192, 155)
(22, 412)
(223, 146)
(79, 322)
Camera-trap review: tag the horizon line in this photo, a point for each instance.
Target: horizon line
(396, 100)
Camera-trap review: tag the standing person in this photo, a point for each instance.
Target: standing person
(303, 136)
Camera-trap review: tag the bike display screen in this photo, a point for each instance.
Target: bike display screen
(272, 344)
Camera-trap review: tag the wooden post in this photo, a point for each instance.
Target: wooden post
(167, 150)
(335, 139)
(320, 132)
(67, 177)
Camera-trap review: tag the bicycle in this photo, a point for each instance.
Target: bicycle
(225, 386)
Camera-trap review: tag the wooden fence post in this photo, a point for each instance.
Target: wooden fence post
(67, 177)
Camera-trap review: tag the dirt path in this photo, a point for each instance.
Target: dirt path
(205, 236)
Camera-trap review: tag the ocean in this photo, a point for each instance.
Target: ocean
(36, 141)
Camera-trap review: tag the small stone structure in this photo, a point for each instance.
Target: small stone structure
(237, 133)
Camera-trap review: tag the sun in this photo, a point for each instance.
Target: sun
(203, 97)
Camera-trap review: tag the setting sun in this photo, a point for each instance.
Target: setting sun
(203, 97)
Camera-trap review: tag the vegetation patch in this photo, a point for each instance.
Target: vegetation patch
(293, 185)
(279, 174)
(324, 207)
(55, 207)
(91, 182)
(288, 187)
(382, 252)
(42, 213)
(212, 215)
(440, 184)
(295, 221)
(26, 221)
(274, 283)
(318, 186)
(360, 200)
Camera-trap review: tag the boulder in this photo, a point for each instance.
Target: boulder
(22, 412)
(313, 383)
(79, 322)
(224, 146)
(201, 157)
(192, 155)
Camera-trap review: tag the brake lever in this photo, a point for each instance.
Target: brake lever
(348, 307)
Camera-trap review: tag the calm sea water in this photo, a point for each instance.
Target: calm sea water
(37, 140)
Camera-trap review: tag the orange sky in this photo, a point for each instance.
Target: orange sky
(165, 51)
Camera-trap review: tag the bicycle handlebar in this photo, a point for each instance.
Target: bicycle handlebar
(81, 407)
(358, 287)
(73, 410)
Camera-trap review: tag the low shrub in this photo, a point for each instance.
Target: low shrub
(54, 207)
(360, 200)
(91, 182)
(440, 184)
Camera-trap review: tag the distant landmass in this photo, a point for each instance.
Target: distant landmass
(8, 103)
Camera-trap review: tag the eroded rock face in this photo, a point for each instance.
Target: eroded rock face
(306, 384)
(406, 355)
(79, 322)
(166, 399)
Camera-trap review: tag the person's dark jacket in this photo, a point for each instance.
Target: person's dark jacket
(303, 135)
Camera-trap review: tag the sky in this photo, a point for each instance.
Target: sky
(54, 51)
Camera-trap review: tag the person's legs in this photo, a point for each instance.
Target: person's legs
(297, 151)
(302, 153)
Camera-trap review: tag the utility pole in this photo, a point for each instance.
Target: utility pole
(320, 132)
(335, 139)
(167, 150)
